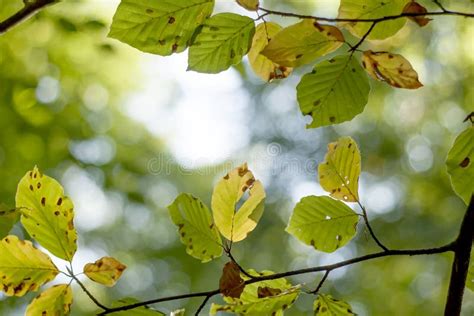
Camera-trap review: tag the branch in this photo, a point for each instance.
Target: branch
(29, 9)
(440, 5)
(320, 284)
(364, 212)
(96, 302)
(203, 303)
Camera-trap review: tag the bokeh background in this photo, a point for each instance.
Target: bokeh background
(125, 132)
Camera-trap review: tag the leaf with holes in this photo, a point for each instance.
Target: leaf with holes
(139, 311)
(334, 92)
(224, 39)
(394, 69)
(340, 170)
(261, 65)
(235, 224)
(302, 43)
(326, 305)
(106, 271)
(23, 268)
(230, 283)
(196, 229)
(372, 9)
(461, 166)
(416, 8)
(322, 222)
(470, 273)
(251, 5)
(47, 214)
(56, 300)
(159, 27)
(8, 218)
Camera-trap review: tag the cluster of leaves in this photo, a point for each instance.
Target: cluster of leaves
(335, 91)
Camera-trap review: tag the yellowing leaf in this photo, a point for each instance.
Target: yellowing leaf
(326, 305)
(8, 218)
(230, 283)
(55, 301)
(234, 224)
(394, 69)
(416, 8)
(340, 170)
(196, 229)
(47, 214)
(160, 27)
(460, 164)
(106, 271)
(23, 268)
(251, 5)
(261, 65)
(322, 222)
(372, 9)
(302, 43)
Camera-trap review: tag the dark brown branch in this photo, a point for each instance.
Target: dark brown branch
(204, 302)
(440, 5)
(462, 254)
(29, 9)
(89, 294)
(321, 282)
(354, 48)
(364, 213)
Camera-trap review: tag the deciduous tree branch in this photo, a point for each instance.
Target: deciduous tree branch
(30, 8)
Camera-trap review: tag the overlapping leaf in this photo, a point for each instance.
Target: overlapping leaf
(196, 229)
(340, 170)
(47, 214)
(326, 305)
(23, 268)
(160, 27)
(322, 222)
(139, 311)
(334, 92)
(106, 271)
(372, 9)
(394, 69)
(224, 39)
(416, 8)
(460, 164)
(56, 300)
(235, 224)
(261, 65)
(8, 218)
(302, 43)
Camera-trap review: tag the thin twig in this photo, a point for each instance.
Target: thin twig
(204, 302)
(369, 227)
(440, 5)
(29, 9)
(229, 254)
(96, 302)
(356, 46)
(320, 284)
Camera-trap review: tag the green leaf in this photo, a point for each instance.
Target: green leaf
(261, 65)
(160, 27)
(251, 5)
(322, 222)
(8, 218)
(23, 268)
(372, 9)
(470, 273)
(139, 311)
(234, 224)
(302, 43)
(326, 305)
(196, 229)
(106, 271)
(461, 166)
(340, 170)
(56, 300)
(224, 39)
(261, 298)
(334, 92)
(47, 214)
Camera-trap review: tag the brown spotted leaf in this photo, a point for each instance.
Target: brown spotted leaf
(23, 268)
(47, 214)
(8, 218)
(230, 283)
(416, 8)
(266, 291)
(55, 301)
(394, 69)
(326, 305)
(106, 271)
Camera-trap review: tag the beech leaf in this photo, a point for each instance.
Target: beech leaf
(56, 300)
(106, 271)
(230, 283)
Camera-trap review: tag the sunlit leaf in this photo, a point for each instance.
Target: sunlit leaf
(372, 9)
(230, 283)
(334, 92)
(251, 5)
(394, 69)
(55, 301)
(47, 214)
(106, 271)
(470, 273)
(8, 218)
(340, 170)
(159, 27)
(416, 8)
(138, 311)
(178, 312)
(261, 65)
(23, 268)
(461, 166)
(326, 305)
(322, 222)
(235, 224)
(302, 43)
(196, 229)
(224, 39)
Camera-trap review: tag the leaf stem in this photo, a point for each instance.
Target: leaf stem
(29, 8)
(89, 294)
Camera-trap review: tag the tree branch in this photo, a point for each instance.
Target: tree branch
(365, 216)
(89, 294)
(30, 8)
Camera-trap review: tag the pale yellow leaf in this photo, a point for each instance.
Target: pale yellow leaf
(106, 271)
(55, 301)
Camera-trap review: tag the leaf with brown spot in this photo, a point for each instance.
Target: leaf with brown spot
(230, 283)
(326, 305)
(106, 271)
(394, 69)
(266, 291)
(56, 300)
(8, 218)
(416, 8)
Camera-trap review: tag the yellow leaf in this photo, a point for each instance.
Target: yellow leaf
(394, 69)
(261, 65)
(55, 301)
(415, 7)
(251, 5)
(47, 214)
(340, 170)
(23, 268)
(106, 271)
